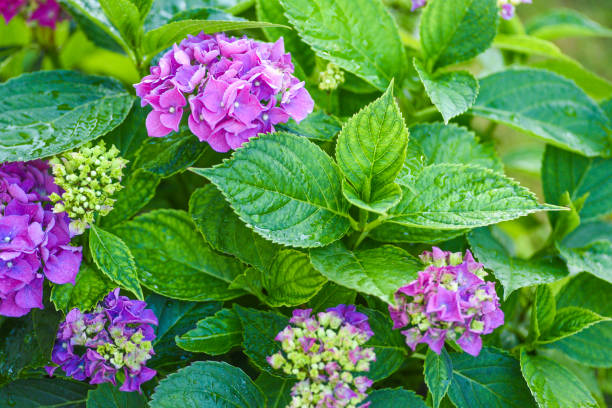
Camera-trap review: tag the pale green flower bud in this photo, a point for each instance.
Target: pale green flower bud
(331, 78)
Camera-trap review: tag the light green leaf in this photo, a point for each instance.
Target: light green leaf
(163, 11)
(251, 281)
(566, 171)
(554, 386)
(544, 105)
(109, 396)
(214, 335)
(395, 397)
(331, 295)
(277, 390)
(342, 31)
(48, 112)
(163, 37)
(543, 312)
(451, 197)
(526, 44)
(225, 232)
(174, 260)
(396, 233)
(143, 7)
(595, 258)
(124, 15)
(91, 286)
(114, 258)
(569, 321)
(370, 152)
(560, 23)
(208, 384)
(438, 371)
(291, 279)
(286, 188)
(379, 271)
(453, 93)
(456, 31)
(513, 273)
(493, 379)
(44, 393)
(317, 126)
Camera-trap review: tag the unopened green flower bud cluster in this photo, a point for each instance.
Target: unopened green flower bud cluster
(89, 177)
(331, 78)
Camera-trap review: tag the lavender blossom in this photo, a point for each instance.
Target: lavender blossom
(448, 300)
(45, 12)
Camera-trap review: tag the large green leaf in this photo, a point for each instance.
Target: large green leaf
(277, 390)
(438, 371)
(545, 105)
(456, 31)
(397, 233)
(513, 273)
(291, 280)
(595, 258)
(214, 335)
(452, 197)
(317, 126)
(358, 35)
(543, 312)
(174, 260)
(44, 393)
(560, 23)
(395, 397)
(131, 133)
(370, 152)
(114, 258)
(48, 112)
(566, 171)
(109, 396)
(525, 44)
(286, 188)
(208, 384)
(125, 16)
(225, 232)
(91, 286)
(379, 271)
(493, 379)
(331, 295)
(453, 93)
(553, 385)
(570, 321)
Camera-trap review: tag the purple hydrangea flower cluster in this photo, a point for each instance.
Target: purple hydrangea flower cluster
(32, 237)
(115, 340)
(324, 353)
(448, 300)
(45, 12)
(507, 7)
(236, 88)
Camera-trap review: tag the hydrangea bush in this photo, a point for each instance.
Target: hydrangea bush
(303, 203)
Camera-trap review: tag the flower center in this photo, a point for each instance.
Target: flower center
(9, 264)
(7, 239)
(265, 116)
(172, 109)
(236, 104)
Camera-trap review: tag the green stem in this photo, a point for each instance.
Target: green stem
(425, 115)
(418, 355)
(366, 230)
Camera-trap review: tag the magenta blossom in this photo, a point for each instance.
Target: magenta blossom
(507, 7)
(234, 88)
(448, 300)
(34, 241)
(116, 337)
(45, 12)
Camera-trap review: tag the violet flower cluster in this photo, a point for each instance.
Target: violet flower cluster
(45, 12)
(448, 301)
(236, 88)
(507, 7)
(114, 340)
(33, 239)
(326, 354)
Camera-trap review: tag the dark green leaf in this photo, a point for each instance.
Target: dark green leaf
(317, 126)
(109, 396)
(438, 373)
(130, 134)
(543, 312)
(214, 335)
(163, 11)
(139, 188)
(331, 295)
(44, 393)
(277, 390)
(395, 397)
(91, 287)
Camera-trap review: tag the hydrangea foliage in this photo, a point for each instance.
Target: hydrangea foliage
(507, 7)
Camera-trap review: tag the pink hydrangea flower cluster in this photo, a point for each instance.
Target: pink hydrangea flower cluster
(32, 238)
(116, 336)
(324, 353)
(449, 300)
(45, 12)
(507, 7)
(236, 88)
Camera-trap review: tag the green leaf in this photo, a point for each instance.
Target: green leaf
(566, 171)
(451, 197)
(44, 393)
(456, 31)
(560, 23)
(214, 335)
(175, 317)
(543, 312)
(370, 152)
(397, 233)
(163, 37)
(114, 258)
(388, 345)
(554, 386)
(143, 7)
(225, 232)
(341, 31)
(569, 321)
(395, 397)
(544, 105)
(109, 396)
(251, 281)
(277, 390)
(139, 188)
(287, 188)
(124, 15)
(525, 44)
(493, 379)
(453, 93)
(130, 134)
(208, 384)
(379, 271)
(163, 11)
(174, 260)
(291, 279)
(513, 273)
(91, 287)
(317, 126)
(595, 258)
(331, 295)
(260, 328)
(438, 371)
(48, 112)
